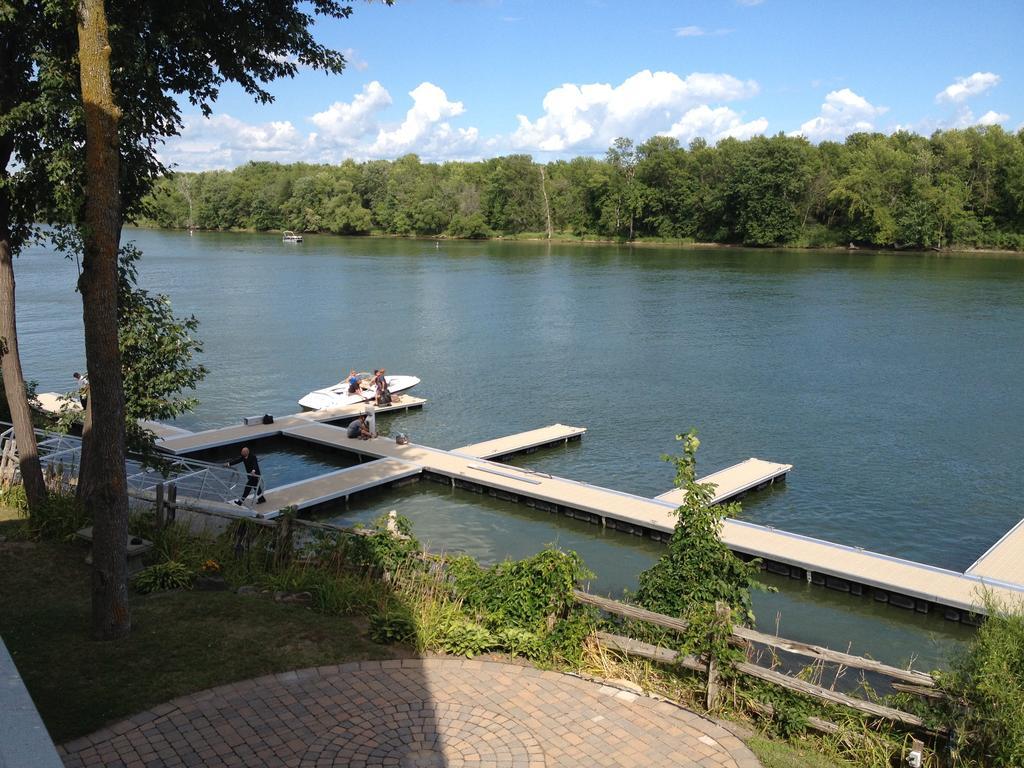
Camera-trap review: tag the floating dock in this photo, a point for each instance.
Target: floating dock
(524, 442)
(193, 442)
(735, 480)
(1004, 560)
(894, 580)
(337, 485)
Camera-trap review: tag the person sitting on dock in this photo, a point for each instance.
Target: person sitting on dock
(253, 477)
(359, 428)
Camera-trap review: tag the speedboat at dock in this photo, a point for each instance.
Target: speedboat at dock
(337, 395)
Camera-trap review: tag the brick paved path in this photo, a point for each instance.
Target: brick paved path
(414, 713)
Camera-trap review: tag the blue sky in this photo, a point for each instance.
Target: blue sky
(458, 79)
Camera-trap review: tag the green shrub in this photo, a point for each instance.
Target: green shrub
(697, 570)
(394, 625)
(986, 682)
(381, 549)
(521, 642)
(466, 638)
(528, 594)
(333, 593)
(163, 576)
(58, 517)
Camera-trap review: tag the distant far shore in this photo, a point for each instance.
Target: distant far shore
(567, 239)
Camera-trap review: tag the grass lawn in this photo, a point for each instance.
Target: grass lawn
(779, 754)
(181, 642)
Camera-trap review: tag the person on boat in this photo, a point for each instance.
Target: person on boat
(253, 477)
(380, 383)
(353, 382)
(358, 428)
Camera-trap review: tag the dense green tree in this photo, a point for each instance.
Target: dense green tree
(623, 200)
(963, 187)
(768, 189)
(512, 200)
(697, 570)
(576, 189)
(157, 350)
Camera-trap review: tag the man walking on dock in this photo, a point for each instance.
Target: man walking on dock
(253, 478)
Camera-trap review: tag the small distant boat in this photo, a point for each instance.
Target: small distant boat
(291, 237)
(337, 395)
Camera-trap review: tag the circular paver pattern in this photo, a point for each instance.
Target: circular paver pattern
(416, 713)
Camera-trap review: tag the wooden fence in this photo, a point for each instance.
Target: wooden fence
(906, 680)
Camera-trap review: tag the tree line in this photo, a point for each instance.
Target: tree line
(962, 187)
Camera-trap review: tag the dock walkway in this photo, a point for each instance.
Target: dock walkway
(338, 485)
(1004, 560)
(735, 480)
(889, 579)
(834, 565)
(193, 442)
(523, 442)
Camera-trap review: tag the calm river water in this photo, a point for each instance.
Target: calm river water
(892, 383)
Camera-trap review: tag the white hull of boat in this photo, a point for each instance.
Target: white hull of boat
(337, 395)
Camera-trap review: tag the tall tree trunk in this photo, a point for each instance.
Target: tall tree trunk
(12, 68)
(103, 443)
(14, 380)
(547, 204)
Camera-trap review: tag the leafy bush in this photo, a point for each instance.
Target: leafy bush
(697, 569)
(382, 549)
(527, 594)
(467, 638)
(394, 625)
(58, 517)
(986, 682)
(520, 642)
(163, 576)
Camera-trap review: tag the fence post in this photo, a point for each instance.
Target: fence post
(159, 506)
(721, 620)
(283, 540)
(172, 503)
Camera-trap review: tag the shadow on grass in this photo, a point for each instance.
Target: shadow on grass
(181, 642)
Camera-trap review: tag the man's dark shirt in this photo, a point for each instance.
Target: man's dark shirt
(252, 466)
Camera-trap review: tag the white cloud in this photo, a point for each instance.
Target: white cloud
(966, 87)
(965, 118)
(223, 141)
(425, 129)
(844, 112)
(749, 2)
(714, 124)
(354, 60)
(591, 116)
(993, 118)
(694, 31)
(345, 123)
(352, 129)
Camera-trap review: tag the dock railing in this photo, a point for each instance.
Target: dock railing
(903, 680)
(60, 456)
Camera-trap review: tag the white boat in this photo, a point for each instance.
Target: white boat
(291, 237)
(337, 395)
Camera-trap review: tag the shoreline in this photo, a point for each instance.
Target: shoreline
(677, 244)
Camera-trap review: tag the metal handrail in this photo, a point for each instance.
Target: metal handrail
(63, 452)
